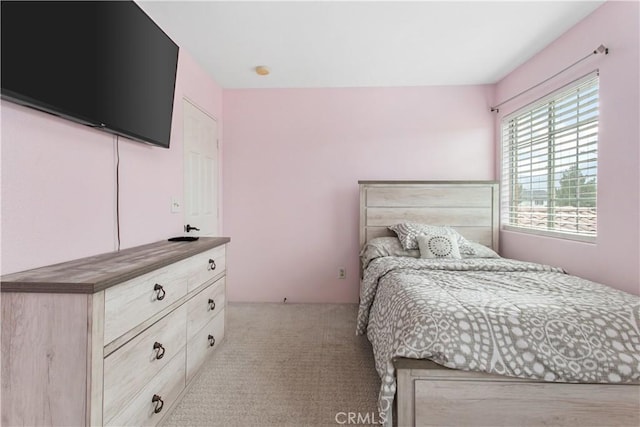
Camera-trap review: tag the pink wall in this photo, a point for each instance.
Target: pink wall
(58, 181)
(614, 258)
(293, 158)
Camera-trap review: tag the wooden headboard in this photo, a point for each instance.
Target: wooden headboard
(470, 207)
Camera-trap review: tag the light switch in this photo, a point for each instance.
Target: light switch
(176, 206)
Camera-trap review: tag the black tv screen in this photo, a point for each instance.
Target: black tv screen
(104, 64)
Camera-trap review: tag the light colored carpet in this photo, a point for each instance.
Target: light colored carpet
(284, 365)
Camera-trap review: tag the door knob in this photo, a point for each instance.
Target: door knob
(188, 228)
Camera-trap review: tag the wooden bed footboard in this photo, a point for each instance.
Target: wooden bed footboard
(431, 395)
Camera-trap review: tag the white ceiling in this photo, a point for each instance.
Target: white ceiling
(364, 43)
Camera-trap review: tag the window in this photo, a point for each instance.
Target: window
(550, 163)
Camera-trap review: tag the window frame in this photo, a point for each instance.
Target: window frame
(507, 172)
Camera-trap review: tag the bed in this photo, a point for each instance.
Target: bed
(578, 364)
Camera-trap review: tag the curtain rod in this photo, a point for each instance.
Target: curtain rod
(599, 50)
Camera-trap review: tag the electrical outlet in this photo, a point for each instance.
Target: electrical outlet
(342, 273)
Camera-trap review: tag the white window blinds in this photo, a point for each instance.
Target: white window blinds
(550, 163)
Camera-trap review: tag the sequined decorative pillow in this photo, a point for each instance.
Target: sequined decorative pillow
(438, 246)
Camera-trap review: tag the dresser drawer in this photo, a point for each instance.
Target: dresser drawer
(167, 385)
(206, 266)
(132, 302)
(205, 306)
(132, 366)
(202, 344)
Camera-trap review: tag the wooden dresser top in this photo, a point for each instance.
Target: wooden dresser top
(95, 273)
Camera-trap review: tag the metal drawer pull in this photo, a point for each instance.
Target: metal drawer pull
(212, 341)
(212, 264)
(161, 292)
(159, 403)
(159, 350)
(212, 304)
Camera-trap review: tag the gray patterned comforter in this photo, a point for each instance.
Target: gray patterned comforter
(498, 316)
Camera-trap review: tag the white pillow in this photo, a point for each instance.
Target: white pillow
(438, 246)
(384, 246)
(480, 251)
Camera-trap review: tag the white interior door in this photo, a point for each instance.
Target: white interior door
(200, 171)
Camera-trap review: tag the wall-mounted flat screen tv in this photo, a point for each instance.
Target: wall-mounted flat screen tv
(103, 64)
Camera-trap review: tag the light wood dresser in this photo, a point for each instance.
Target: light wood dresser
(113, 339)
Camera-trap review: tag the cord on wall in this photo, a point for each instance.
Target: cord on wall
(118, 191)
